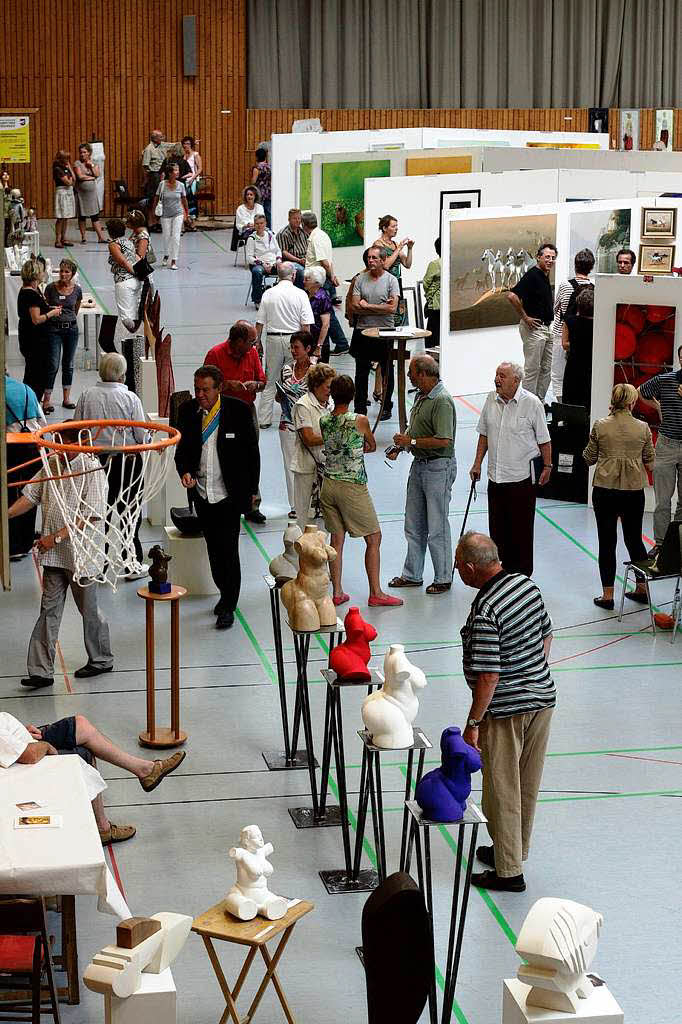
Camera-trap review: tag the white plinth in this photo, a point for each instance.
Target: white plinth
(148, 387)
(153, 1003)
(190, 566)
(600, 1008)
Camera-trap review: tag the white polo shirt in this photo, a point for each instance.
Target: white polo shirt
(514, 430)
(284, 309)
(319, 247)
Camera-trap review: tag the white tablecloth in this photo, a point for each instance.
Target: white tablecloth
(57, 861)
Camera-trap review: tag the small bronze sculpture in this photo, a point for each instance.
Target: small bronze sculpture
(159, 570)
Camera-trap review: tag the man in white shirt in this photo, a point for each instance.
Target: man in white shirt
(262, 255)
(284, 310)
(76, 735)
(513, 432)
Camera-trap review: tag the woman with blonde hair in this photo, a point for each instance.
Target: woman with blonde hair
(64, 198)
(34, 314)
(395, 258)
(621, 449)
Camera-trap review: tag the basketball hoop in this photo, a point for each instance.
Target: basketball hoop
(99, 482)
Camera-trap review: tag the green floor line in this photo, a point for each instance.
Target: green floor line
(90, 285)
(211, 239)
(267, 664)
(609, 796)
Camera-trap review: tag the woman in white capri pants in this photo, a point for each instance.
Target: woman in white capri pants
(174, 209)
(293, 384)
(309, 454)
(127, 288)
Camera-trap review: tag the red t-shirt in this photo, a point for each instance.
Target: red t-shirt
(249, 367)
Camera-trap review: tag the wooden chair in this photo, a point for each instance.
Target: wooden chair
(24, 958)
(206, 193)
(123, 198)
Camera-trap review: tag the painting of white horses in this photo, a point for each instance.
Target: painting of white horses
(488, 256)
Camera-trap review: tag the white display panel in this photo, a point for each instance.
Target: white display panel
(438, 136)
(507, 159)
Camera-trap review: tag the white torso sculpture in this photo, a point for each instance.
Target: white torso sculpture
(558, 940)
(307, 598)
(388, 713)
(250, 894)
(286, 564)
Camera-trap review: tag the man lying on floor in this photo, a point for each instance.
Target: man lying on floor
(76, 735)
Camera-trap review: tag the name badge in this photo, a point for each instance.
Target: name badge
(230, 436)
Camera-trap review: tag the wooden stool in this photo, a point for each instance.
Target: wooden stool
(217, 923)
(174, 736)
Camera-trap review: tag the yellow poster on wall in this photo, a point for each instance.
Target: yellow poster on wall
(15, 146)
(438, 165)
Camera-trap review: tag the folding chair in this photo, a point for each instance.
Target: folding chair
(236, 244)
(667, 565)
(268, 281)
(24, 958)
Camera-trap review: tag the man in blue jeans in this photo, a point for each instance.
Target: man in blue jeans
(664, 393)
(431, 440)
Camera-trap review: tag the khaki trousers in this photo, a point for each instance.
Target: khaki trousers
(513, 758)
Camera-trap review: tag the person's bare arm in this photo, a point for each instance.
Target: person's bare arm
(309, 437)
(546, 452)
(481, 450)
(370, 444)
(325, 320)
(565, 339)
(40, 318)
(530, 321)
(484, 688)
(35, 752)
(118, 257)
(653, 403)
(379, 307)
(547, 644)
(290, 258)
(20, 506)
(329, 269)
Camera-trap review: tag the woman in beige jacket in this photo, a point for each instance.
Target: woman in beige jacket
(621, 447)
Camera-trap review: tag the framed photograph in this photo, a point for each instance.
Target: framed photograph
(467, 199)
(628, 135)
(663, 137)
(656, 259)
(598, 119)
(659, 222)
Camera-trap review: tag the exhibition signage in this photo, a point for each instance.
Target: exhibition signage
(14, 140)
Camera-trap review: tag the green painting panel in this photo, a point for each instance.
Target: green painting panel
(343, 198)
(305, 173)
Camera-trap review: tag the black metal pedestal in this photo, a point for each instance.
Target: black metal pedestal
(320, 814)
(420, 827)
(278, 760)
(348, 878)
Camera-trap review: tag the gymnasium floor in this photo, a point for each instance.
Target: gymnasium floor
(607, 830)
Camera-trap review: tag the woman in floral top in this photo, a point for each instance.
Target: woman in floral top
(127, 288)
(292, 385)
(346, 503)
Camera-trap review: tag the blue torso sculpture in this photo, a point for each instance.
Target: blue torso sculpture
(442, 794)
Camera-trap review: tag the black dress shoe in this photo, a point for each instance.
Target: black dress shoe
(220, 607)
(225, 620)
(491, 880)
(35, 682)
(339, 350)
(91, 670)
(603, 602)
(486, 855)
(255, 516)
(386, 414)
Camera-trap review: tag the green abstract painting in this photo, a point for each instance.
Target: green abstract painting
(305, 169)
(343, 198)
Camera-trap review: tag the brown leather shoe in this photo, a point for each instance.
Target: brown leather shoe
(438, 588)
(117, 834)
(161, 769)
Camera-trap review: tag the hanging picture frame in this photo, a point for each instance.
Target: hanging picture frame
(656, 259)
(598, 119)
(659, 222)
(459, 199)
(628, 135)
(663, 138)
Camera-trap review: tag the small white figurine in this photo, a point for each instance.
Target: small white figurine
(250, 894)
(285, 565)
(389, 712)
(558, 940)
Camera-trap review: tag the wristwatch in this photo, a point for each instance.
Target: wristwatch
(413, 442)
(473, 724)
(58, 539)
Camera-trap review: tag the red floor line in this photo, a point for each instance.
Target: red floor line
(580, 654)
(634, 757)
(67, 681)
(117, 876)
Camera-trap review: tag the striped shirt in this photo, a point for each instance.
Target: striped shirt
(505, 633)
(295, 242)
(664, 388)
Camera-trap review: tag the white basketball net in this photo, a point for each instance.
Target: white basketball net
(99, 491)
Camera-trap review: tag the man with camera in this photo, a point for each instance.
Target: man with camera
(430, 439)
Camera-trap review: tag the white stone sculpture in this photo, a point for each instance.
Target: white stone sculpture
(135, 978)
(250, 894)
(558, 941)
(389, 712)
(285, 565)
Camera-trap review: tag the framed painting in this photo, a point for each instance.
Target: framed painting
(628, 135)
(465, 199)
(304, 184)
(656, 259)
(343, 198)
(659, 222)
(663, 138)
(603, 232)
(598, 119)
(439, 165)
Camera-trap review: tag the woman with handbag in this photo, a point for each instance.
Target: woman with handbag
(64, 198)
(66, 295)
(307, 461)
(23, 415)
(127, 287)
(172, 209)
(144, 250)
(192, 179)
(292, 385)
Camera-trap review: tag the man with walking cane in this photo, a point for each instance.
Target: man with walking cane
(430, 438)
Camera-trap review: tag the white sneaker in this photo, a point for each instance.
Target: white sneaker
(164, 262)
(137, 574)
(174, 265)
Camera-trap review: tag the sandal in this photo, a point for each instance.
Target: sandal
(117, 834)
(47, 409)
(400, 581)
(340, 599)
(438, 588)
(68, 405)
(59, 245)
(84, 241)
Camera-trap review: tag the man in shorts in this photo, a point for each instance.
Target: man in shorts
(346, 503)
(29, 744)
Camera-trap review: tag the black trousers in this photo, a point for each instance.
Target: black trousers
(366, 351)
(609, 506)
(220, 523)
(511, 521)
(126, 470)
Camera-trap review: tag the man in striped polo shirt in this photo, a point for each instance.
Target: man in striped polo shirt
(506, 641)
(664, 393)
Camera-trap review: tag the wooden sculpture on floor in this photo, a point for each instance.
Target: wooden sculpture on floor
(350, 658)
(307, 598)
(121, 973)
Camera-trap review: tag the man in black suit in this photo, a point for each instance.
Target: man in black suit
(217, 459)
